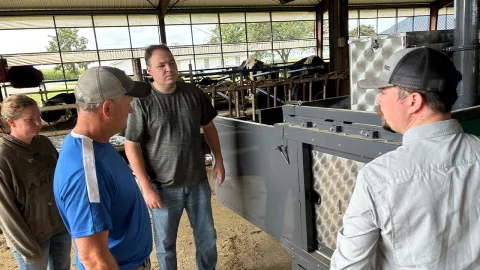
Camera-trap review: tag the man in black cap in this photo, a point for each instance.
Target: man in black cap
(418, 206)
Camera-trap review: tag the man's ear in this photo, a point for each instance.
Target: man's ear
(149, 69)
(415, 102)
(107, 108)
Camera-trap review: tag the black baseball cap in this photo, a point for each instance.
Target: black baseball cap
(421, 68)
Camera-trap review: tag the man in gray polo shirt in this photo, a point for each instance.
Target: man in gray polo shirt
(164, 149)
(418, 206)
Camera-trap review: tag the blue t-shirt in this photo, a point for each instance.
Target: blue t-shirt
(95, 191)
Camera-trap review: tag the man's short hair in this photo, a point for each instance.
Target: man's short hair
(91, 107)
(85, 107)
(439, 102)
(152, 48)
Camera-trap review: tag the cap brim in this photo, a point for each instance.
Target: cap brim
(139, 90)
(373, 83)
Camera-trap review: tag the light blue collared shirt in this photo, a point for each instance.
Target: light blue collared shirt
(417, 207)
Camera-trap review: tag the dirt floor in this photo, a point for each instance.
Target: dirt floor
(241, 245)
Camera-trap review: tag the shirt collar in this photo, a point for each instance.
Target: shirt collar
(437, 129)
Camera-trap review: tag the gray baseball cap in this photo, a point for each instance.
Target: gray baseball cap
(416, 68)
(98, 84)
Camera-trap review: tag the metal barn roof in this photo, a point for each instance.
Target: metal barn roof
(150, 4)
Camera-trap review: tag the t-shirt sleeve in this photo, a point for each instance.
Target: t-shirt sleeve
(136, 123)
(208, 111)
(87, 201)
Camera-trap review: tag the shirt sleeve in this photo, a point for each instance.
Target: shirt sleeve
(14, 228)
(208, 111)
(136, 123)
(357, 239)
(87, 203)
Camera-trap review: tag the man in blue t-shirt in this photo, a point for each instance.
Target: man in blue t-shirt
(95, 191)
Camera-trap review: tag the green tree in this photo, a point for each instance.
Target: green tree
(262, 32)
(235, 33)
(365, 30)
(69, 41)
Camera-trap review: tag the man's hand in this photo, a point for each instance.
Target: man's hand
(211, 136)
(219, 172)
(134, 155)
(151, 197)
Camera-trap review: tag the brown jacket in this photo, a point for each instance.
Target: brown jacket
(28, 213)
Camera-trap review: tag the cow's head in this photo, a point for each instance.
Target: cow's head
(315, 61)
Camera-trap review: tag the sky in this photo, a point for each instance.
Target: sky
(35, 40)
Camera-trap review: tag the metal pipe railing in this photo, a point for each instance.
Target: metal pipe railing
(467, 61)
(265, 87)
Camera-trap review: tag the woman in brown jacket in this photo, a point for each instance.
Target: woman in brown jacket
(29, 217)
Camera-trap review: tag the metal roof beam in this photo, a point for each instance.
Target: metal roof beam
(239, 9)
(434, 8)
(76, 12)
(163, 7)
(441, 3)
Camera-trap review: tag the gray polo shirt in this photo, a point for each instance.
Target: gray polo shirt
(417, 207)
(168, 130)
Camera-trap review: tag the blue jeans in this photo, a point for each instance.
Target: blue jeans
(56, 252)
(196, 200)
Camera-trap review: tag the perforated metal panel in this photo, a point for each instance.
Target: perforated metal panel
(334, 179)
(367, 58)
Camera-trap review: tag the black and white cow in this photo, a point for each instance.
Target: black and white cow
(60, 99)
(261, 95)
(318, 66)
